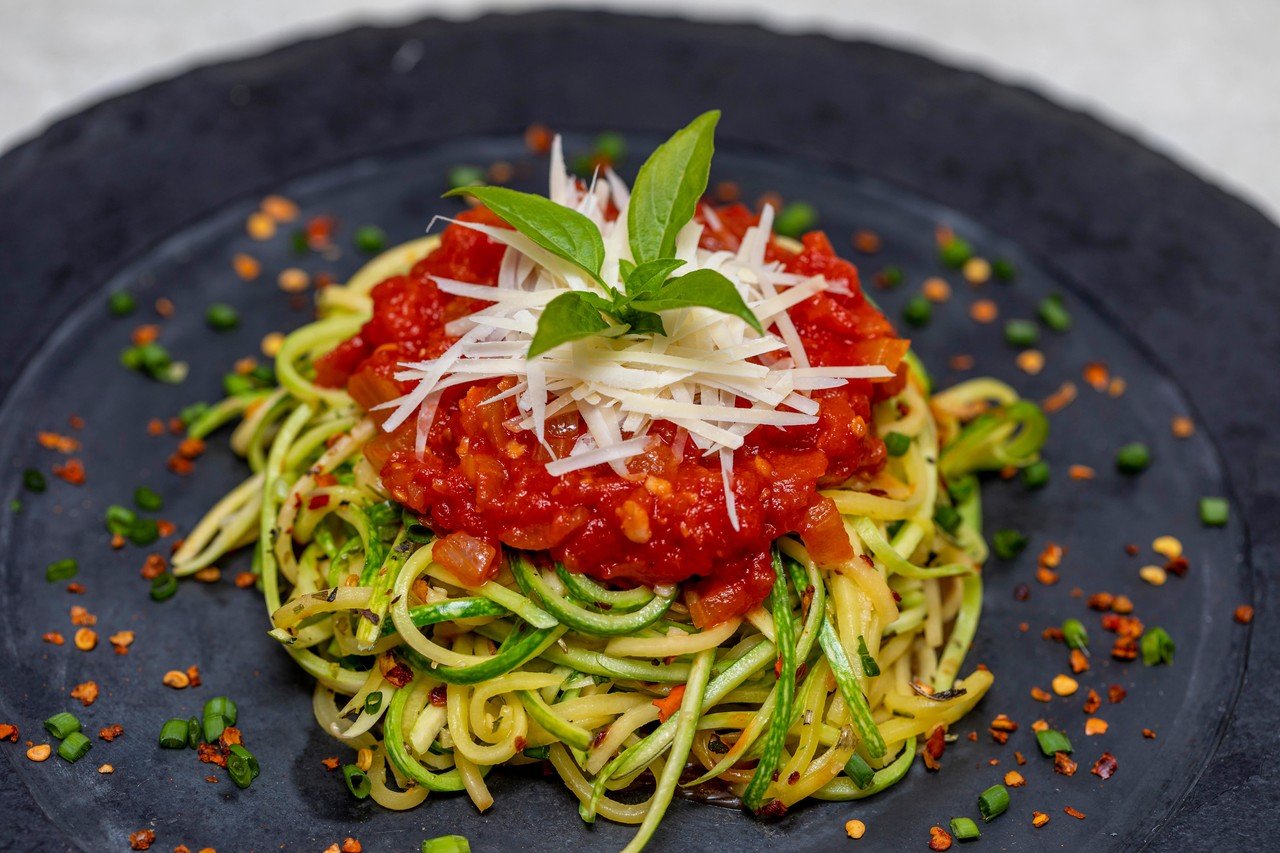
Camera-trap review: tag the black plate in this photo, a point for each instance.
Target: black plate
(150, 191)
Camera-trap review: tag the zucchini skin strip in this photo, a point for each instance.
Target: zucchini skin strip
(521, 645)
(579, 618)
(448, 611)
(847, 683)
(398, 753)
(776, 738)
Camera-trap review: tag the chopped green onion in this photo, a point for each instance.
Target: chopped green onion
(357, 781)
(62, 724)
(74, 747)
(611, 147)
(221, 706)
(955, 252)
(1075, 635)
(143, 532)
(370, 239)
(1054, 314)
(238, 768)
(1036, 475)
(1052, 741)
(1133, 458)
(299, 242)
(214, 726)
(947, 517)
(1008, 543)
(194, 730)
(447, 844)
(993, 801)
(147, 499)
(896, 443)
(61, 570)
(235, 384)
(373, 702)
(1157, 647)
(464, 176)
(890, 276)
(537, 753)
(964, 829)
(963, 489)
(870, 667)
(15, 505)
(1214, 512)
(918, 311)
(1021, 333)
(859, 771)
(120, 518)
(163, 586)
(1003, 269)
(249, 758)
(121, 304)
(795, 218)
(33, 481)
(191, 414)
(173, 734)
(221, 317)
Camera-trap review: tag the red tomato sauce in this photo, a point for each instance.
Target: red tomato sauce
(482, 484)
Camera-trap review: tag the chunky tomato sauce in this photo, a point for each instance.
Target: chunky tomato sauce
(481, 484)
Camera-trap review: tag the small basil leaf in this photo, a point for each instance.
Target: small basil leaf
(649, 276)
(596, 301)
(668, 187)
(568, 317)
(561, 231)
(644, 323)
(700, 288)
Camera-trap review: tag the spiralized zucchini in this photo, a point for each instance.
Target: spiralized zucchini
(816, 694)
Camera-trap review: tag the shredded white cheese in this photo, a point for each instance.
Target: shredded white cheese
(698, 376)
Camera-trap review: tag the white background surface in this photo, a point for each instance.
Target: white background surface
(1197, 79)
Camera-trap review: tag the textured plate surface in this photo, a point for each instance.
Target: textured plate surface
(150, 192)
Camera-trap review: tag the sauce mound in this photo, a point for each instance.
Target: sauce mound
(481, 483)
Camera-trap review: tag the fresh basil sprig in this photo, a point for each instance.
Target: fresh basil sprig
(663, 200)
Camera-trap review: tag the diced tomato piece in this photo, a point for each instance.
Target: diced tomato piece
(824, 535)
(732, 591)
(472, 561)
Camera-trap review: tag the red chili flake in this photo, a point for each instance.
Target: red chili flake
(53, 637)
(142, 839)
(1020, 758)
(75, 588)
(210, 754)
(193, 675)
(1149, 734)
(1053, 633)
(934, 747)
(320, 231)
(1079, 663)
(165, 528)
(155, 426)
(80, 616)
(999, 736)
(86, 692)
(76, 422)
(794, 777)
(1092, 702)
(331, 763)
(399, 675)
(537, 138)
(439, 696)
(350, 845)
(179, 465)
(60, 443)
(972, 736)
(939, 839)
(1063, 764)
(772, 809)
(244, 580)
(111, 732)
(1132, 550)
(72, 472)
(1177, 566)
(1021, 592)
(1125, 648)
(326, 479)
(230, 737)
(1116, 694)
(1100, 601)
(521, 743)
(318, 501)
(1075, 813)
(191, 448)
(9, 732)
(1243, 614)
(117, 541)
(153, 566)
(1105, 767)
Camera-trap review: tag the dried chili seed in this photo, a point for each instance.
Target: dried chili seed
(1039, 819)
(86, 639)
(855, 829)
(1095, 726)
(1014, 779)
(1105, 767)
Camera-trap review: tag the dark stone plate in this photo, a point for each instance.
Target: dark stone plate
(1166, 278)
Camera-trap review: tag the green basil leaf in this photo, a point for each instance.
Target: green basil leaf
(700, 288)
(668, 187)
(568, 317)
(625, 268)
(649, 276)
(561, 231)
(644, 323)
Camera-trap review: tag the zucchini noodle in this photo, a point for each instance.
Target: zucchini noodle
(817, 693)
